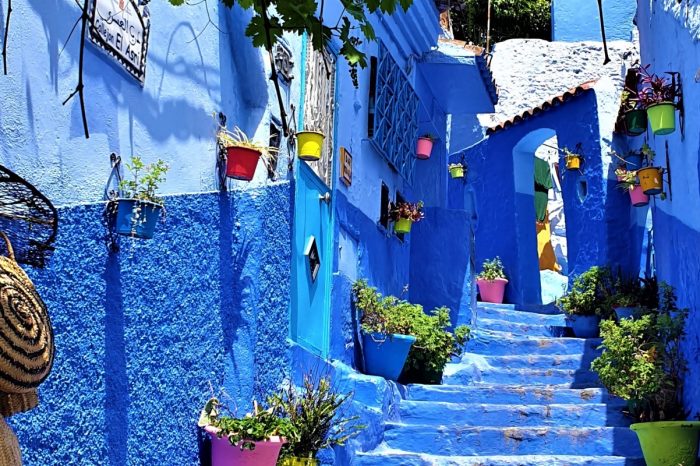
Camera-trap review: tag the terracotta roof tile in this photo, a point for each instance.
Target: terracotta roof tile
(553, 102)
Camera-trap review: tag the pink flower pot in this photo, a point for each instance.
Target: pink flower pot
(225, 454)
(492, 291)
(424, 148)
(639, 199)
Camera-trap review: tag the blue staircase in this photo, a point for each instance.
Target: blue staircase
(522, 396)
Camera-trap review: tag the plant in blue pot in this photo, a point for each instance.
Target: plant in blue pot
(588, 302)
(138, 206)
(643, 363)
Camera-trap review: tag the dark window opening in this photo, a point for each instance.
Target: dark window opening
(275, 141)
(399, 200)
(384, 207)
(372, 95)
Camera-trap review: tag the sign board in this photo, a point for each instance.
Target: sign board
(345, 166)
(120, 28)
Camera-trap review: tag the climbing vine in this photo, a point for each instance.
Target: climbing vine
(272, 18)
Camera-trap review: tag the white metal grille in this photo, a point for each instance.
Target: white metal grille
(319, 106)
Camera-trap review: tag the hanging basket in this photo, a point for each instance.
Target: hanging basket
(662, 118)
(457, 172)
(241, 162)
(573, 162)
(403, 226)
(424, 147)
(309, 145)
(651, 180)
(636, 122)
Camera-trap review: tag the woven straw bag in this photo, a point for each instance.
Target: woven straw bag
(9, 446)
(26, 337)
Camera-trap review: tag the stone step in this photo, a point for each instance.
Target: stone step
(485, 441)
(511, 315)
(511, 415)
(388, 457)
(464, 374)
(519, 329)
(567, 361)
(511, 394)
(547, 309)
(503, 344)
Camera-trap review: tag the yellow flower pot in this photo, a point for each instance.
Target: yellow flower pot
(652, 180)
(403, 226)
(573, 162)
(309, 145)
(298, 462)
(457, 172)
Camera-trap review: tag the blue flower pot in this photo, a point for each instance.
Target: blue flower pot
(584, 326)
(137, 218)
(385, 355)
(625, 312)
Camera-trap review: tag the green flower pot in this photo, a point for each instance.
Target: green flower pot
(636, 122)
(457, 172)
(403, 225)
(668, 443)
(662, 118)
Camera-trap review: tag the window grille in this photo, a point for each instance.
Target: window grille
(396, 116)
(319, 105)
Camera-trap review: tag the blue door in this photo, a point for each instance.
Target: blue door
(311, 262)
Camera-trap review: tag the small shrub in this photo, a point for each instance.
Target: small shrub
(492, 269)
(590, 294)
(145, 181)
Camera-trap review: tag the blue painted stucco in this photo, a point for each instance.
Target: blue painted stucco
(142, 333)
(501, 173)
(676, 221)
(575, 20)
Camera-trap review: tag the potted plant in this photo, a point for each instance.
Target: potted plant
(435, 346)
(642, 363)
(405, 214)
(625, 297)
(573, 160)
(386, 331)
(650, 177)
(634, 115)
(627, 181)
(588, 302)
(138, 205)
(658, 96)
(314, 411)
(253, 440)
(242, 155)
(424, 146)
(310, 145)
(492, 281)
(456, 170)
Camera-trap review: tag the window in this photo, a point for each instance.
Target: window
(372, 95)
(395, 116)
(319, 105)
(384, 206)
(275, 141)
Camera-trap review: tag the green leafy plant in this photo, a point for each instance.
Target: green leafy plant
(430, 136)
(314, 411)
(457, 165)
(642, 361)
(434, 346)
(648, 154)
(407, 210)
(145, 180)
(590, 294)
(492, 269)
(626, 291)
(260, 425)
(627, 179)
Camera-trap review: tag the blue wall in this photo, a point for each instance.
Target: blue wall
(506, 226)
(576, 20)
(142, 333)
(676, 221)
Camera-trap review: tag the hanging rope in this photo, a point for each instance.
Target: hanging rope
(602, 30)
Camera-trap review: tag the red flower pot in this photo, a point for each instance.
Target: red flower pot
(241, 162)
(424, 148)
(492, 291)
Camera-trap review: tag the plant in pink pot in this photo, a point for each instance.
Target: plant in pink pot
(253, 440)
(492, 281)
(627, 181)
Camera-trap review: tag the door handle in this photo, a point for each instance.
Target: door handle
(325, 198)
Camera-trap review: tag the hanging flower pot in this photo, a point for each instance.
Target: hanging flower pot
(637, 196)
(573, 162)
(137, 218)
(403, 226)
(662, 118)
(456, 170)
(424, 147)
(651, 180)
(636, 122)
(309, 145)
(241, 162)
(668, 443)
(404, 214)
(385, 355)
